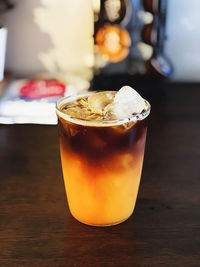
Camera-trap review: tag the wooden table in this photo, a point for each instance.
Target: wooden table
(36, 228)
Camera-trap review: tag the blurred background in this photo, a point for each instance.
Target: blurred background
(53, 48)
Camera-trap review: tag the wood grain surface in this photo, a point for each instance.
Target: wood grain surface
(36, 228)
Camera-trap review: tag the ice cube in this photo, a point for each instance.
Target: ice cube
(127, 102)
(100, 100)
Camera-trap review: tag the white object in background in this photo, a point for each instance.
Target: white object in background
(182, 45)
(25, 40)
(48, 35)
(3, 37)
(70, 26)
(14, 109)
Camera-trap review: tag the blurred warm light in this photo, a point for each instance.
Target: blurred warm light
(112, 9)
(113, 43)
(145, 50)
(100, 61)
(89, 60)
(96, 5)
(146, 17)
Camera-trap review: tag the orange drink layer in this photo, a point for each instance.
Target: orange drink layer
(102, 166)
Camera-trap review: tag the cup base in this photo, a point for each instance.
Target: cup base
(103, 225)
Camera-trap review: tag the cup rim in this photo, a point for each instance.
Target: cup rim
(97, 123)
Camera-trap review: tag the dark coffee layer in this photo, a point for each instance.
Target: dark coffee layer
(99, 142)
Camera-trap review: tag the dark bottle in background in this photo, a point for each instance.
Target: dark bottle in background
(155, 35)
(152, 6)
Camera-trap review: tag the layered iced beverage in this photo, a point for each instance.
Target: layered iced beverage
(102, 142)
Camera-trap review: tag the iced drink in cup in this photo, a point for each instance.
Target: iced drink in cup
(102, 142)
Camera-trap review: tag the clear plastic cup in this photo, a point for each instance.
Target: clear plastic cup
(102, 165)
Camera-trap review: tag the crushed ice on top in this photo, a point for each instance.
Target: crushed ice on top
(108, 105)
